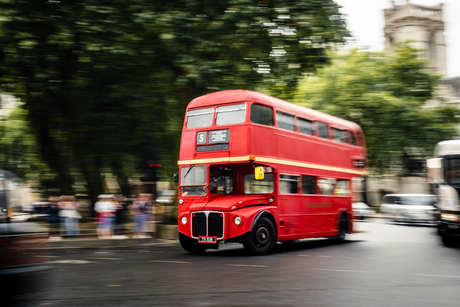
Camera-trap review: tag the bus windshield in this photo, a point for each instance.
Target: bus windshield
(452, 171)
(193, 181)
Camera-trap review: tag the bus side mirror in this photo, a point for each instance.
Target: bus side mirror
(176, 177)
(259, 172)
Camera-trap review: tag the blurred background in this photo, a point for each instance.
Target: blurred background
(94, 94)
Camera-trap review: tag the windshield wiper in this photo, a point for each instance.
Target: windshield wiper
(191, 166)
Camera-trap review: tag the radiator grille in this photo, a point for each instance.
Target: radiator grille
(216, 225)
(199, 224)
(212, 226)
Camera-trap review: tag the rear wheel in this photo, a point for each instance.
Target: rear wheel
(262, 239)
(191, 245)
(449, 241)
(342, 229)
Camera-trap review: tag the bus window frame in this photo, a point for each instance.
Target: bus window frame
(245, 103)
(283, 113)
(206, 189)
(273, 125)
(313, 127)
(198, 109)
(292, 175)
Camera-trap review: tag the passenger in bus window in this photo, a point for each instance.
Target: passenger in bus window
(326, 186)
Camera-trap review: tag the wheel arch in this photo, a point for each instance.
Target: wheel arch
(267, 214)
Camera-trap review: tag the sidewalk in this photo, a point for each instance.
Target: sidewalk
(161, 234)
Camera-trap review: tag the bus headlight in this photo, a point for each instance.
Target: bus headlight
(237, 220)
(181, 201)
(183, 220)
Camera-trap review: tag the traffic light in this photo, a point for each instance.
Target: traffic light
(149, 172)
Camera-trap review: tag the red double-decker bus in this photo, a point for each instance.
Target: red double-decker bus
(257, 170)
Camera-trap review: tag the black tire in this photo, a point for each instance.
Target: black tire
(342, 229)
(449, 241)
(191, 245)
(262, 239)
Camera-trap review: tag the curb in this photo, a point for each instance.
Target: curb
(94, 243)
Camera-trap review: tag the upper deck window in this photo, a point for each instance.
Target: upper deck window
(349, 137)
(234, 114)
(200, 118)
(338, 135)
(261, 115)
(285, 121)
(323, 131)
(305, 126)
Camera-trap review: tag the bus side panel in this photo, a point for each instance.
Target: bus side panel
(262, 142)
(294, 220)
(188, 141)
(239, 141)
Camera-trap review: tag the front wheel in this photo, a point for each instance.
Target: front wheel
(191, 245)
(262, 238)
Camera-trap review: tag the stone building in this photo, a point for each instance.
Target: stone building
(423, 26)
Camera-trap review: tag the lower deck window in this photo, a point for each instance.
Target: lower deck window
(253, 186)
(308, 185)
(289, 184)
(342, 187)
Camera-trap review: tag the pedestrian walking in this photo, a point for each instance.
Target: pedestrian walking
(68, 212)
(140, 211)
(52, 217)
(121, 209)
(106, 208)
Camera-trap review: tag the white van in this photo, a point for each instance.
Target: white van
(409, 207)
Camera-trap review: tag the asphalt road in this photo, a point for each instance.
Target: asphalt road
(386, 265)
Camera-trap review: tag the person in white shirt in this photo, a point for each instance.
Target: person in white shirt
(106, 209)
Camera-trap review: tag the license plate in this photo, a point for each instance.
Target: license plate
(207, 239)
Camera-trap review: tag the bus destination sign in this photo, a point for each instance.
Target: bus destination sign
(219, 136)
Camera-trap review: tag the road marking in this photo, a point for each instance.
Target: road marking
(303, 255)
(106, 258)
(332, 270)
(40, 256)
(73, 261)
(168, 261)
(249, 265)
(325, 256)
(431, 275)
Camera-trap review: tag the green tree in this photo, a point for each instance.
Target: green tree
(98, 78)
(385, 94)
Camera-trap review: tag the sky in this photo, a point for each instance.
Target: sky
(365, 22)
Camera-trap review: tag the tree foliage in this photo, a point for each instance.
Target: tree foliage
(385, 94)
(101, 80)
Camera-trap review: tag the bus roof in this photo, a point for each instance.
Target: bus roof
(229, 96)
(445, 148)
